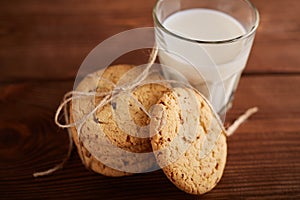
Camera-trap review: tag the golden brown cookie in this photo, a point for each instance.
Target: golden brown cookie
(90, 161)
(124, 121)
(111, 137)
(89, 83)
(190, 144)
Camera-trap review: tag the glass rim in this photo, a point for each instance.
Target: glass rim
(231, 40)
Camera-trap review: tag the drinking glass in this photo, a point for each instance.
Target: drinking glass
(218, 62)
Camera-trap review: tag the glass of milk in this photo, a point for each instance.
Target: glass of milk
(208, 41)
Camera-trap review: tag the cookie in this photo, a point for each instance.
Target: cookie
(89, 83)
(90, 161)
(123, 121)
(189, 141)
(117, 133)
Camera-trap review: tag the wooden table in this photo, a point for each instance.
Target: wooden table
(43, 43)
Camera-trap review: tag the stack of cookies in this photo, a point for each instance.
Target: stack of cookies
(173, 128)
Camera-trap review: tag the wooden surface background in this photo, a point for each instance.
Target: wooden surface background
(43, 43)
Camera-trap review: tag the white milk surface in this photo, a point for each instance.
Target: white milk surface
(204, 24)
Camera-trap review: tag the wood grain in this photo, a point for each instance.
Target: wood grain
(43, 43)
(262, 161)
(50, 39)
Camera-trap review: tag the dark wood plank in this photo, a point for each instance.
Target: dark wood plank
(49, 39)
(277, 42)
(263, 157)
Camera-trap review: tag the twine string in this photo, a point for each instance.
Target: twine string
(70, 147)
(241, 119)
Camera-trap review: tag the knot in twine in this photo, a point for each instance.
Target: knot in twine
(109, 97)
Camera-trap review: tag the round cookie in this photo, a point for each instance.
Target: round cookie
(123, 121)
(90, 161)
(189, 141)
(106, 140)
(87, 84)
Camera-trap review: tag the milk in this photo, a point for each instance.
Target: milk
(219, 65)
